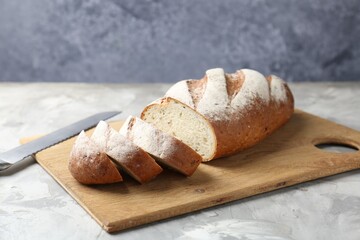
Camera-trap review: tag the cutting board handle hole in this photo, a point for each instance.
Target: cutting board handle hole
(336, 147)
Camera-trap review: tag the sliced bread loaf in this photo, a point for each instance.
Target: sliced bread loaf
(89, 165)
(222, 114)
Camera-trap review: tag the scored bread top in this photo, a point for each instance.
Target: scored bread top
(243, 107)
(220, 92)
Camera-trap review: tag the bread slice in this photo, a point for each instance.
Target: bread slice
(89, 165)
(184, 123)
(131, 158)
(165, 148)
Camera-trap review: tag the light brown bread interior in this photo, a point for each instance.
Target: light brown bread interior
(181, 121)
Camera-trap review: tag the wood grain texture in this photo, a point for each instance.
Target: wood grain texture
(285, 158)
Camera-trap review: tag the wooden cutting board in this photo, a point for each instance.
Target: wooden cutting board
(285, 158)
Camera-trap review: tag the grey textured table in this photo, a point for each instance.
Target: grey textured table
(34, 206)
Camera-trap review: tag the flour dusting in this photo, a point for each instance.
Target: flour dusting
(215, 98)
(255, 85)
(181, 92)
(278, 91)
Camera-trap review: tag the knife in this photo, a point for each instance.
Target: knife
(18, 154)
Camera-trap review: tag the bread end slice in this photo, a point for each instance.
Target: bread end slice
(89, 165)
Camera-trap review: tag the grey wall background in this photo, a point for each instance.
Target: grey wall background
(166, 41)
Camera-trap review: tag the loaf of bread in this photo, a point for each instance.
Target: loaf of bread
(89, 165)
(130, 157)
(222, 114)
(197, 120)
(165, 148)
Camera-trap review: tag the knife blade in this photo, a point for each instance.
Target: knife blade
(17, 154)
